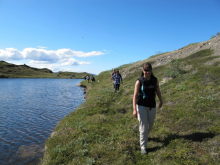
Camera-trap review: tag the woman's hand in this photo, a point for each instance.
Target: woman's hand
(160, 105)
(135, 113)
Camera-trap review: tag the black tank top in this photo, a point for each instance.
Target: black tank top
(147, 92)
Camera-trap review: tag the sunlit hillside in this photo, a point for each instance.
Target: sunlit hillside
(103, 131)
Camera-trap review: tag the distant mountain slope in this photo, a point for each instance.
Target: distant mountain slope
(8, 70)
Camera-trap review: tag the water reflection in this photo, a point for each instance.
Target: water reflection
(30, 110)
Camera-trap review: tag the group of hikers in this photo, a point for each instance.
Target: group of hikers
(87, 77)
(144, 100)
(116, 79)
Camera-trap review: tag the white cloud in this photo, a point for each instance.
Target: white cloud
(10, 54)
(62, 53)
(38, 62)
(72, 62)
(41, 47)
(42, 56)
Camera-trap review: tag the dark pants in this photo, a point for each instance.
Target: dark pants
(116, 87)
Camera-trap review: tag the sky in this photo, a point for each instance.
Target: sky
(98, 35)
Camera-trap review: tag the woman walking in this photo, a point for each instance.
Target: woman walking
(117, 80)
(144, 103)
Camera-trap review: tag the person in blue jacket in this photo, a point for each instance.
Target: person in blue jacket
(117, 80)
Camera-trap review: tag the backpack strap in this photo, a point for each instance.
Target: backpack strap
(141, 89)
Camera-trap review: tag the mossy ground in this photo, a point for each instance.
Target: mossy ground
(103, 131)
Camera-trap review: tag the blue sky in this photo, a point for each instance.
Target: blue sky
(98, 35)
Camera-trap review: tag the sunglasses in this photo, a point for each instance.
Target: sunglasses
(147, 70)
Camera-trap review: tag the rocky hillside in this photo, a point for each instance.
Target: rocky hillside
(186, 51)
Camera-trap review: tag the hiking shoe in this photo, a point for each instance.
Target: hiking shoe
(143, 151)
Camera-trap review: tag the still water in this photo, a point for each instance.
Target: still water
(29, 111)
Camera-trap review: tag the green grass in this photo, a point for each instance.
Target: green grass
(103, 131)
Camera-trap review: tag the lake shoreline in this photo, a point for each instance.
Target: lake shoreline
(53, 133)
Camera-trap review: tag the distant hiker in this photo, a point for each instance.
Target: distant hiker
(87, 78)
(113, 73)
(92, 79)
(144, 104)
(117, 80)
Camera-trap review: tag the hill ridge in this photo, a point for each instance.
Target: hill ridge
(8, 70)
(183, 52)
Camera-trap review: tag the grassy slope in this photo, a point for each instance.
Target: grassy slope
(8, 70)
(103, 131)
(73, 75)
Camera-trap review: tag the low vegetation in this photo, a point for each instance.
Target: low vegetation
(189, 45)
(159, 53)
(8, 70)
(103, 131)
(217, 34)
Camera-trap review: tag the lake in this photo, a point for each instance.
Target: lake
(30, 109)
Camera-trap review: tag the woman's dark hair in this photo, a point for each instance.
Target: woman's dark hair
(149, 66)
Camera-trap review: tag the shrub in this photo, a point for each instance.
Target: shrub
(174, 69)
(213, 36)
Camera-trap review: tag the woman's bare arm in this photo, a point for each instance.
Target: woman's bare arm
(136, 90)
(159, 94)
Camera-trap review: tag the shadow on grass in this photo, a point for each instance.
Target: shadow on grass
(195, 137)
